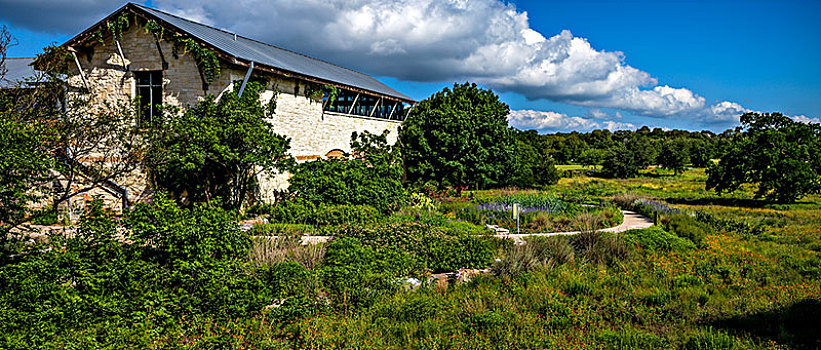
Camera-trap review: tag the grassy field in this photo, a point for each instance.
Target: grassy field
(743, 288)
(752, 281)
(740, 290)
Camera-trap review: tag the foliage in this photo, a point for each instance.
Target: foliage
(535, 167)
(620, 162)
(206, 60)
(196, 234)
(686, 226)
(656, 239)
(215, 149)
(438, 249)
(780, 155)
(372, 177)
(55, 146)
(303, 212)
(459, 137)
(25, 162)
(674, 155)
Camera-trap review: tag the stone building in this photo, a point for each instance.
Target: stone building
(152, 57)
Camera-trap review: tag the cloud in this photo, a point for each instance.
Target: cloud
(806, 120)
(486, 41)
(596, 113)
(555, 122)
(56, 16)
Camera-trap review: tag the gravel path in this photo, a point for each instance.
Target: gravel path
(632, 220)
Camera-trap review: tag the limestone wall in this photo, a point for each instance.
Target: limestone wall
(312, 133)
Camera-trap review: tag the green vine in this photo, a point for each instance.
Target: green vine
(155, 29)
(333, 93)
(316, 92)
(118, 26)
(206, 60)
(271, 106)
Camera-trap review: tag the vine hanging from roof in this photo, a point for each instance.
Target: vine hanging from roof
(206, 60)
(317, 91)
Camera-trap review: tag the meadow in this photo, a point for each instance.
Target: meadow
(718, 272)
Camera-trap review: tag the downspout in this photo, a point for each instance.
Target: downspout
(245, 81)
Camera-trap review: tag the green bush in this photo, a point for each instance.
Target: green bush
(353, 272)
(710, 339)
(437, 249)
(688, 227)
(631, 339)
(307, 213)
(198, 233)
(373, 177)
(656, 239)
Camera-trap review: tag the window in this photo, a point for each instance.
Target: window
(366, 105)
(149, 94)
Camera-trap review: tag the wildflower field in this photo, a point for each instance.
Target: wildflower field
(718, 272)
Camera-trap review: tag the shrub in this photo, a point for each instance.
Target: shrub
(710, 339)
(352, 270)
(656, 239)
(688, 227)
(373, 177)
(198, 233)
(600, 248)
(631, 339)
(521, 258)
(435, 247)
(304, 212)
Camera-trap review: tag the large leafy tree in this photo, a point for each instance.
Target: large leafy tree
(216, 149)
(780, 155)
(535, 167)
(459, 137)
(674, 155)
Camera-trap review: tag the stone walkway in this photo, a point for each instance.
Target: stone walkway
(632, 221)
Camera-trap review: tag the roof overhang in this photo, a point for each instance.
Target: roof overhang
(81, 38)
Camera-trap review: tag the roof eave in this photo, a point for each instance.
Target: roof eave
(221, 54)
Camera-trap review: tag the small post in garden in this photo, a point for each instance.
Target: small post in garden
(516, 215)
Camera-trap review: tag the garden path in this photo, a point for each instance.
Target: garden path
(632, 221)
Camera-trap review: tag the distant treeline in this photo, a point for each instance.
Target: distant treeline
(643, 147)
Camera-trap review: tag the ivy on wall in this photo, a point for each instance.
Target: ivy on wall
(206, 60)
(317, 91)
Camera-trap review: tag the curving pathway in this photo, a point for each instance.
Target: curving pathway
(632, 221)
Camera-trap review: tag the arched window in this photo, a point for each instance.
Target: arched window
(337, 153)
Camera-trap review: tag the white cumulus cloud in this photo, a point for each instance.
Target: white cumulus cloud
(555, 122)
(486, 41)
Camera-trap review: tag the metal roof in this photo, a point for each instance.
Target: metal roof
(250, 50)
(18, 70)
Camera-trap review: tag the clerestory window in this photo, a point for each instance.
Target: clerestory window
(149, 95)
(350, 102)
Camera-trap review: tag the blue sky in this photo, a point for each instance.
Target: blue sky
(718, 59)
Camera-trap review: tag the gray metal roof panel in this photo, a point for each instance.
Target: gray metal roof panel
(276, 57)
(18, 70)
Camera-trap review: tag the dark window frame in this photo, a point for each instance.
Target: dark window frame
(151, 82)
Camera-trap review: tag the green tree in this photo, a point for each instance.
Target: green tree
(592, 156)
(536, 167)
(674, 155)
(216, 149)
(701, 153)
(620, 162)
(780, 155)
(459, 137)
